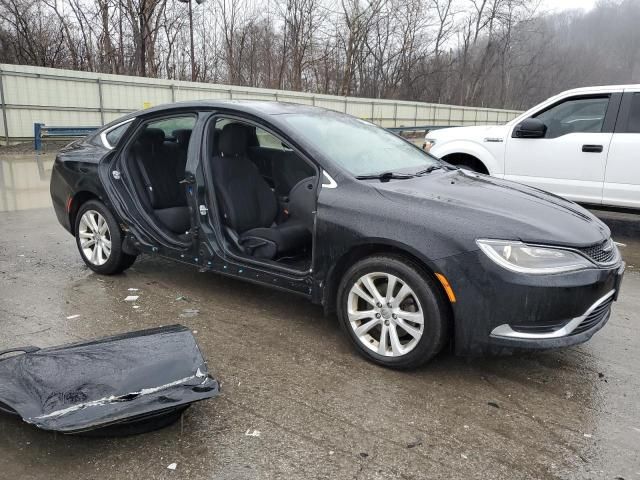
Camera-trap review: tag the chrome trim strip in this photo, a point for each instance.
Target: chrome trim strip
(332, 183)
(103, 134)
(505, 330)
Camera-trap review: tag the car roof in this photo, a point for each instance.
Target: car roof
(256, 107)
(600, 89)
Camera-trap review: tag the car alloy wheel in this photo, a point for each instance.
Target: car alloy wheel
(385, 314)
(95, 237)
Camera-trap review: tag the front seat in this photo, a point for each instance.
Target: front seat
(249, 207)
(287, 170)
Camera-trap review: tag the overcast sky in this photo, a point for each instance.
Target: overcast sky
(557, 5)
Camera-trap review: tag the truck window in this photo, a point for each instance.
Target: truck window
(577, 115)
(634, 114)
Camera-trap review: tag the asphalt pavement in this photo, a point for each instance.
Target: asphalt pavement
(297, 402)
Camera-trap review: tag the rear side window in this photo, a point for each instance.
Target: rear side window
(634, 114)
(114, 136)
(170, 125)
(111, 136)
(575, 115)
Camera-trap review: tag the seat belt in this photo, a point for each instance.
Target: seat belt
(147, 181)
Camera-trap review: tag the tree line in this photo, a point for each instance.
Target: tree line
(494, 53)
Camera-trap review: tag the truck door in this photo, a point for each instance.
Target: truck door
(622, 176)
(569, 160)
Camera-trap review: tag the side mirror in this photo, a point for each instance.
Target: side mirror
(530, 128)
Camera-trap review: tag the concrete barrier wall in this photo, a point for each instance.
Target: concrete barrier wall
(69, 98)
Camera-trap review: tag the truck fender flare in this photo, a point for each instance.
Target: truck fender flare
(473, 149)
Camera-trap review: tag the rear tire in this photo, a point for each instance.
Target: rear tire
(404, 324)
(99, 239)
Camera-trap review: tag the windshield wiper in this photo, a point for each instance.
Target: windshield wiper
(386, 176)
(428, 170)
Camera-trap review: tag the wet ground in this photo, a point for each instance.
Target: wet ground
(288, 373)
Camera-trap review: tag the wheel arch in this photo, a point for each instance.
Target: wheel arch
(468, 160)
(375, 247)
(467, 149)
(79, 199)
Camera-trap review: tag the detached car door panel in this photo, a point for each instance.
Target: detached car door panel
(570, 159)
(622, 176)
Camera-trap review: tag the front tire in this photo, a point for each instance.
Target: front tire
(99, 239)
(394, 314)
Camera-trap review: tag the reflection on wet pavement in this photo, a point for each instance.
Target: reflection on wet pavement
(288, 371)
(24, 181)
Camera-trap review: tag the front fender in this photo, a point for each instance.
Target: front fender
(494, 164)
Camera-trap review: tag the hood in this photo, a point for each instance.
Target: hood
(468, 206)
(468, 133)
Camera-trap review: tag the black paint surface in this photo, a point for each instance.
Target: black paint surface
(106, 382)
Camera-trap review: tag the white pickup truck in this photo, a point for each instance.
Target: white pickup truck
(582, 144)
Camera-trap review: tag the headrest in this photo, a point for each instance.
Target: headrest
(151, 136)
(182, 136)
(233, 140)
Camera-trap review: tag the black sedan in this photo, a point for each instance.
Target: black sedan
(411, 253)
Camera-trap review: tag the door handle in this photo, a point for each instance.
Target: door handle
(592, 148)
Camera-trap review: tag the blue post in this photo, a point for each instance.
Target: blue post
(37, 136)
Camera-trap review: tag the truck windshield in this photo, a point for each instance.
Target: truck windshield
(360, 147)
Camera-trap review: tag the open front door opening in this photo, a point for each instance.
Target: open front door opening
(266, 194)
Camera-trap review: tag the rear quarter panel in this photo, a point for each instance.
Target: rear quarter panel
(75, 175)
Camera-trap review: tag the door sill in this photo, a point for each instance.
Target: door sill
(251, 261)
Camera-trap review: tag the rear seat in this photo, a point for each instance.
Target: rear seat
(160, 167)
(182, 137)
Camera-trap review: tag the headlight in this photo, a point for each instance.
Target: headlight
(428, 144)
(522, 258)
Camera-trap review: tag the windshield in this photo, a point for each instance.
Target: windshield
(358, 146)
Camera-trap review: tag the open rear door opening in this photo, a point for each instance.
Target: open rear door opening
(157, 182)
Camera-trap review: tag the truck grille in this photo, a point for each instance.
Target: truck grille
(600, 313)
(604, 253)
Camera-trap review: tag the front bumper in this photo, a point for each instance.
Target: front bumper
(498, 311)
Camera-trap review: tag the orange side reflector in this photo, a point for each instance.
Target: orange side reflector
(69, 200)
(447, 287)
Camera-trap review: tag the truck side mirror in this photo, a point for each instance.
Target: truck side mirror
(530, 128)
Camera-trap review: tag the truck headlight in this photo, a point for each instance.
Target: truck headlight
(428, 144)
(532, 259)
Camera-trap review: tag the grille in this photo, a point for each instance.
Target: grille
(603, 253)
(598, 315)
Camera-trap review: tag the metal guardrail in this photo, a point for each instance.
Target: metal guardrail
(40, 131)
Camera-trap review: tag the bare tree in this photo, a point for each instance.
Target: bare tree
(499, 53)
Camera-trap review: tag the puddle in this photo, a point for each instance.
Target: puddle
(24, 181)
